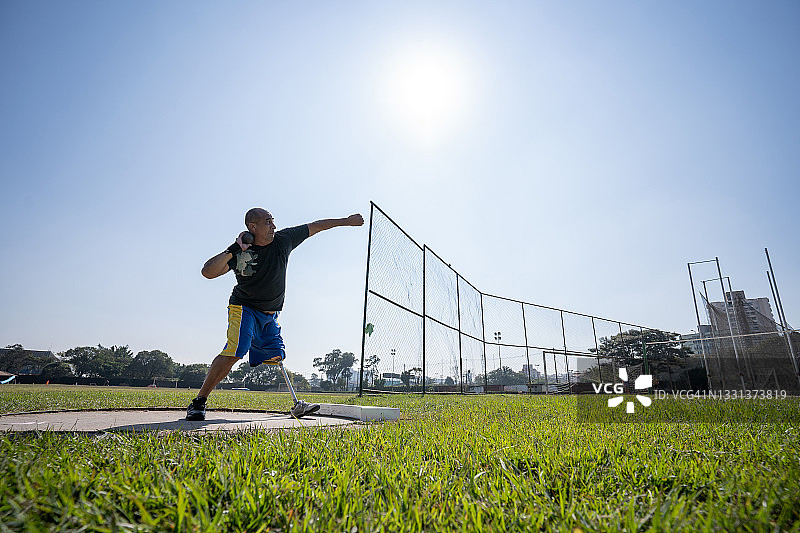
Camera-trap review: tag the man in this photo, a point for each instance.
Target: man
(257, 298)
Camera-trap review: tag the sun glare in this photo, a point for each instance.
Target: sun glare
(427, 93)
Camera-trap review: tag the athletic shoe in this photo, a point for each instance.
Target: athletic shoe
(196, 409)
(302, 409)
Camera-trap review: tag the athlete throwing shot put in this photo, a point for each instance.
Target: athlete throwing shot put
(257, 298)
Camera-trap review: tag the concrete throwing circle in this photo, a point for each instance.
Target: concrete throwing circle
(139, 420)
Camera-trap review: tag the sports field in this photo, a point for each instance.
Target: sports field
(477, 463)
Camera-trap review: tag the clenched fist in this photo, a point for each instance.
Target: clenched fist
(355, 220)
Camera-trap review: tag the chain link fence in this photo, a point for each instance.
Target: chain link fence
(428, 329)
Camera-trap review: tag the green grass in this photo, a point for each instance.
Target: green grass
(487, 463)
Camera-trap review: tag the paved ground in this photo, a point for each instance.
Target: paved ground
(159, 420)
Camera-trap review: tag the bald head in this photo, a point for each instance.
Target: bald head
(259, 222)
(256, 215)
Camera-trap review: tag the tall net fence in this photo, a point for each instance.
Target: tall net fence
(428, 329)
(748, 350)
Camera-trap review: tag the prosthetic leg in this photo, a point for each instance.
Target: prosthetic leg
(300, 407)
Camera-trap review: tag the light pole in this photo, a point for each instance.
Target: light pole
(497, 337)
(393, 352)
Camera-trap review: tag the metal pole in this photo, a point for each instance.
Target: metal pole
(566, 359)
(597, 353)
(460, 356)
(483, 336)
(782, 315)
(740, 331)
(699, 329)
(712, 321)
(500, 359)
(775, 300)
(546, 379)
(730, 326)
(780, 320)
(498, 337)
(424, 316)
(366, 293)
(288, 382)
(644, 351)
(624, 346)
(527, 354)
(783, 329)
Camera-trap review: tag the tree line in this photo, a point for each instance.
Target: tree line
(99, 362)
(119, 362)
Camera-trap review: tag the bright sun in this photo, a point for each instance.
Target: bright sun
(426, 93)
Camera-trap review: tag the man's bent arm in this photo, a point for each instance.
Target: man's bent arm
(217, 265)
(328, 223)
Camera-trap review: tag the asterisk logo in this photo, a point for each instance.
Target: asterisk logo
(645, 381)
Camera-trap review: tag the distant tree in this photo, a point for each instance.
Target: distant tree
(265, 375)
(99, 362)
(194, 373)
(82, 359)
(347, 373)
(336, 364)
(151, 364)
(506, 376)
(15, 359)
(371, 367)
(113, 361)
(314, 381)
(449, 381)
(604, 372)
(238, 374)
(405, 377)
(56, 369)
(299, 381)
(630, 347)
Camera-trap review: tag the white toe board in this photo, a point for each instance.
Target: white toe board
(359, 412)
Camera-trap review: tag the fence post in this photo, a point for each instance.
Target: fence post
(546, 379)
(644, 352)
(566, 359)
(458, 312)
(483, 336)
(366, 292)
(597, 353)
(424, 315)
(527, 354)
(624, 346)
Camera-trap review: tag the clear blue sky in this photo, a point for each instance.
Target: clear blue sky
(565, 153)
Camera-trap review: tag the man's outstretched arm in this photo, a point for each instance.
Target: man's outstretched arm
(328, 223)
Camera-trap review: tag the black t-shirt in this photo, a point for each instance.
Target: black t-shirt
(261, 270)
